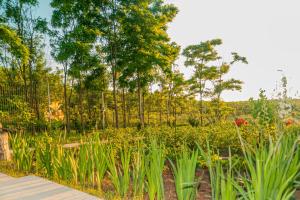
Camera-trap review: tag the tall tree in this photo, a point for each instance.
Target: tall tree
(221, 84)
(20, 15)
(73, 42)
(201, 58)
(146, 44)
(12, 48)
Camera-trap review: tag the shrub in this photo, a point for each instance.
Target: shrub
(194, 122)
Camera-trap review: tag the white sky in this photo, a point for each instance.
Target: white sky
(267, 32)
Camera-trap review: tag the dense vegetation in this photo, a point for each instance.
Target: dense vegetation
(115, 116)
(116, 68)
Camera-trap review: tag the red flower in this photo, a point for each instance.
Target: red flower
(289, 122)
(240, 122)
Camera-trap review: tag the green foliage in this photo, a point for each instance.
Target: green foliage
(272, 169)
(44, 159)
(155, 160)
(221, 180)
(22, 154)
(136, 169)
(263, 110)
(194, 122)
(11, 43)
(138, 172)
(184, 174)
(99, 154)
(120, 172)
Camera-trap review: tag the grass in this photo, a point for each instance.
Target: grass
(119, 173)
(185, 175)
(138, 173)
(155, 160)
(272, 169)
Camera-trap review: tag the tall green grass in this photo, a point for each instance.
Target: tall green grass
(271, 169)
(138, 173)
(221, 178)
(119, 172)
(185, 175)
(99, 153)
(22, 153)
(155, 160)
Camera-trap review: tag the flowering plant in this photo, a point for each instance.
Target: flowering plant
(240, 122)
(289, 122)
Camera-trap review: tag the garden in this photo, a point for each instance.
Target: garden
(226, 161)
(95, 96)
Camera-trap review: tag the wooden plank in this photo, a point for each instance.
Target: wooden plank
(36, 188)
(5, 178)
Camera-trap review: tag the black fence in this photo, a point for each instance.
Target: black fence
(36, 108)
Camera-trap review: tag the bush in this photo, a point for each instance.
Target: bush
(194, 122)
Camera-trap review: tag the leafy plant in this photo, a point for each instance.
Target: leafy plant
(155, 160)
(272, 169)
(120, 173)
(194, 122)
(263, 110)
(222, 180)
(138, 173)
(185, 174)
(99, 153)
(22, 153)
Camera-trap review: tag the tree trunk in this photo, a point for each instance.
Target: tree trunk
(175, 115)
(129, 112)
(143, 106)
(82, 127)
(116, 116)
(37, 103)
(4, 147)
(140, 99)
(201, 109)
(124, 107)
(67, 119)
(102, 110)
(160, 108)
(168, 108)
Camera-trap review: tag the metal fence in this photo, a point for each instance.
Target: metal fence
(28, 109)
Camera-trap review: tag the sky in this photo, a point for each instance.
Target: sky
(267, 32)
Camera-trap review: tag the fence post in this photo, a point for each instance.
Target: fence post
(4, 146)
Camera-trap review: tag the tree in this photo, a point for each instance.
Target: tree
(177, 86)
(19, 15)
(73, 44)
(200, 58)
(147, 46)
(12, 48)
(221, 85)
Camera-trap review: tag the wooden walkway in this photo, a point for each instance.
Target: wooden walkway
(36, 188)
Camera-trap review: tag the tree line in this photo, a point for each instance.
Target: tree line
(115, 51)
